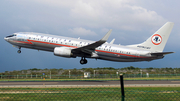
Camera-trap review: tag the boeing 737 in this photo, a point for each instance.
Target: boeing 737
(67, 47)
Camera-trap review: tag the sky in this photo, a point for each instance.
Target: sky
(132, 21)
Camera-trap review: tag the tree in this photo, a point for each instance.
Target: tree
(73, 72)
(34, 69)
(89, 70)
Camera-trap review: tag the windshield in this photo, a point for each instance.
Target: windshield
(11, 35)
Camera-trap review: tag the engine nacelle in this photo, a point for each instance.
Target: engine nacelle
(63, 52)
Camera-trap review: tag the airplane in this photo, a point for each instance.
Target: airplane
(149, 50)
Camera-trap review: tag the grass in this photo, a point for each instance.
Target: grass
(90, 94)
(56, 79)
(154, 78)
(96, 79)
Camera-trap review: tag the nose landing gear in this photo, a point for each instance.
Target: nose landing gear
(83, 60)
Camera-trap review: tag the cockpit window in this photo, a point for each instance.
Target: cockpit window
(11, 35)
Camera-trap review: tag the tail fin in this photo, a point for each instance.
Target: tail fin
(157, 41)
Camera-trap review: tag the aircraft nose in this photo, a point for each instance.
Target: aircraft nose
(6, 38)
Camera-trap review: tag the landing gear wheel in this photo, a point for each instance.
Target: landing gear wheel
(19, 51)
(83, 61)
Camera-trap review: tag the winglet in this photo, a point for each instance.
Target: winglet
(105, 38)
(112, 41)
(94, 45)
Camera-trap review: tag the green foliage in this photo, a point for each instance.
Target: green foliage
(72, 72)
(90, 94)
(105, 68)
(130, 68)
(76, 72)
(106, 72)
(150, 68)
(98, 70)
(89, 70)
(66, 72)
(34, 69)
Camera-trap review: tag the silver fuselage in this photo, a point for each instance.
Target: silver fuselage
(106, 51)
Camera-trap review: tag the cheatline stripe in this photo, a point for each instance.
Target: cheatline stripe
(30, 42)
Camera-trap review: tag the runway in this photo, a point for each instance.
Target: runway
(87, 83)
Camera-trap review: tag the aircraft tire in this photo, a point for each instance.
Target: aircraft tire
(83, 61)
(19, 51)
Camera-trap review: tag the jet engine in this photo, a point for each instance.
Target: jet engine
(63, 52)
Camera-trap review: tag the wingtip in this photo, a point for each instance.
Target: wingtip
(105, 38)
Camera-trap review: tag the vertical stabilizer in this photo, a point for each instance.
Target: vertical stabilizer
(157, 41)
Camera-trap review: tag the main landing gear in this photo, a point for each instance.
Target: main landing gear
(19, 51)
(83, 60)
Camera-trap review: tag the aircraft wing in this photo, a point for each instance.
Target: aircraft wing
(91, 47)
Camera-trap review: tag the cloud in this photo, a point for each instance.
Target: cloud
(104, 30)
(117, 14)
(82, 31)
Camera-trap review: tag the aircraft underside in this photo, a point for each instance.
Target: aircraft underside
(101, 55)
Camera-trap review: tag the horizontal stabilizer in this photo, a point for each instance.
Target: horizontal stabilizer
(161, 53)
